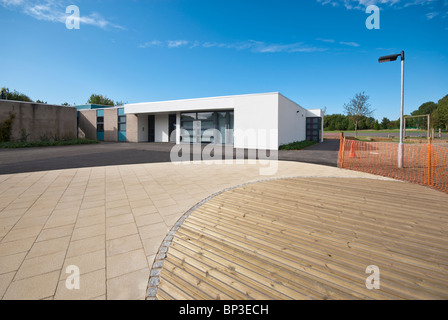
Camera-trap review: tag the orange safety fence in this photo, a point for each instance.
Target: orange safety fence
(424, 164)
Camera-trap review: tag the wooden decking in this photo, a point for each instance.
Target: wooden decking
(312, 238)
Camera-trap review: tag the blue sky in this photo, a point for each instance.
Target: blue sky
(318, 53)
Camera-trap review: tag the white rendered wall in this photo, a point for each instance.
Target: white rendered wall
(314, 113)
(161, 128)
(292, 124)
(178, 128)
(256, 115)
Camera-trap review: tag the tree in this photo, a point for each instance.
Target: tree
(385, 123)
(100, 99)
(439, 117)
(15, 95)
(357, 108)
(394, 124)
(425, 108)
(376, 125)
(336, 122)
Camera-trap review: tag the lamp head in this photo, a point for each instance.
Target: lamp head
(391, 57)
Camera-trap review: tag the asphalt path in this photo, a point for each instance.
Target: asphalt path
(109, 154)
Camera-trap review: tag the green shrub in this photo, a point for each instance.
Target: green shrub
(46, 143)
(298, 145)
(24, 135)
(6, 127)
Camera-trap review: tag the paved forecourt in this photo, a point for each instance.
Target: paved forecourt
(108, 222)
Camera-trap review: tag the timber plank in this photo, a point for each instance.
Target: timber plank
(307, 262)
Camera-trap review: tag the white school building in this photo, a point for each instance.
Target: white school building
(252, 121)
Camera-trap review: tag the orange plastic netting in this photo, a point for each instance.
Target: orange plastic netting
(425, 164)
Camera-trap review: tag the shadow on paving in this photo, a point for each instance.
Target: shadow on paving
(110, 154)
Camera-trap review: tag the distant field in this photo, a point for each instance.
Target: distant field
(383, 133)
(363, 131)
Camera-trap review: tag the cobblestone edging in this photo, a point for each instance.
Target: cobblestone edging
(154, 278)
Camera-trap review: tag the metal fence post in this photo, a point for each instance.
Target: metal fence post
(429, 181)
(342, 148)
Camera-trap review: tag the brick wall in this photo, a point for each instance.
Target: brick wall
(132, 128)
(111, 125)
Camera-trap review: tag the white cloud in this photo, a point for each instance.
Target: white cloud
(431, 15)
(176, 43)
(168, 44)
(362, 4)
(428, 6)
(289, 48)
(11, 2)
(54, 11)
(419, 2)
(350, 44)
(45, 12)
(252, 45)
(154, 43)
(326, 40)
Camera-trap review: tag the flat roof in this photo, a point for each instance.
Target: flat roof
(214, 103)
(95, 106)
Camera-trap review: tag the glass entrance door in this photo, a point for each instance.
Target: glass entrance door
(197, 134)
(313, 128)
(171, 127)
(151, 128)
(225, 126)
(230, 126)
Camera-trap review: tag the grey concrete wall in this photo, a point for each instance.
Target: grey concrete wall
(87, 124)
(39, 121)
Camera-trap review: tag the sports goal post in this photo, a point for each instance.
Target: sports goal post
(427, 122)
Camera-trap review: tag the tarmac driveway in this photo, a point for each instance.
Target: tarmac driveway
(109, 153)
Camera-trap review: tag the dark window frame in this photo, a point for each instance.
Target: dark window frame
(100, 124)
(121, 122)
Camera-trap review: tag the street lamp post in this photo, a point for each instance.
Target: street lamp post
(394, 57)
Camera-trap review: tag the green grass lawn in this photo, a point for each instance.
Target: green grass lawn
(298, 145)
(365, 131)
(18, 144)
(385, 131)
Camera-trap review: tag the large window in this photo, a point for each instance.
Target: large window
(100, 125)
(198, 125)
(121, 125)
(313, 128)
